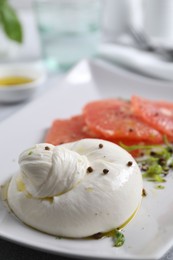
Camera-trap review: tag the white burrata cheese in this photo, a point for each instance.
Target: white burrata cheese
(76, 189)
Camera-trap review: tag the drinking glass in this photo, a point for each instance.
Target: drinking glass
(69, 31)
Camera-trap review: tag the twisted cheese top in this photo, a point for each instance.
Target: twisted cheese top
(48, 171)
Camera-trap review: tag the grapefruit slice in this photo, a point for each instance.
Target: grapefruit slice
(113, 119)
(67, 130)
(157, 114)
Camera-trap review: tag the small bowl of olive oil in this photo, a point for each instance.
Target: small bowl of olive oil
(20, 82)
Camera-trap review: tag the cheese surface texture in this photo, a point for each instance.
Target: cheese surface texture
(76, 189)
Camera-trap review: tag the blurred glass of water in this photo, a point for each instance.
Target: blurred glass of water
(69, 31)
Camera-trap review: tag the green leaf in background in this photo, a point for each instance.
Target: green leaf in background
(10, 22)
(2, 2)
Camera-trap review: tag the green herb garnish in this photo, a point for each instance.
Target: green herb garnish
(160, 187)
(58, 237)
(119, 238)
(156, 161)
(153, 173)
(138, 147)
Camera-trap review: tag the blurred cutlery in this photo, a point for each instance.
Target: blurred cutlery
(144, 44)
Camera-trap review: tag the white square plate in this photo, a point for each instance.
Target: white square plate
(150, 233)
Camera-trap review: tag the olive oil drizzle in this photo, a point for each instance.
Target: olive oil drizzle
(14, 80)
(116, 235)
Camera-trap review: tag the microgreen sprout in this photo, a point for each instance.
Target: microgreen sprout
(156, 160)
(119, 238)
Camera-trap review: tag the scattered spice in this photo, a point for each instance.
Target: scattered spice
(98, 235)
(166, 169)
(47, 148)
(142, 154)
(170, 149)
(130, 130)
(30, 152)
(105, 171)
(100, 146)
(129, 163)
(152, 153)
(89, 169)
(144, 193)
(144, 168)
(157, 160)
(170, 165)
